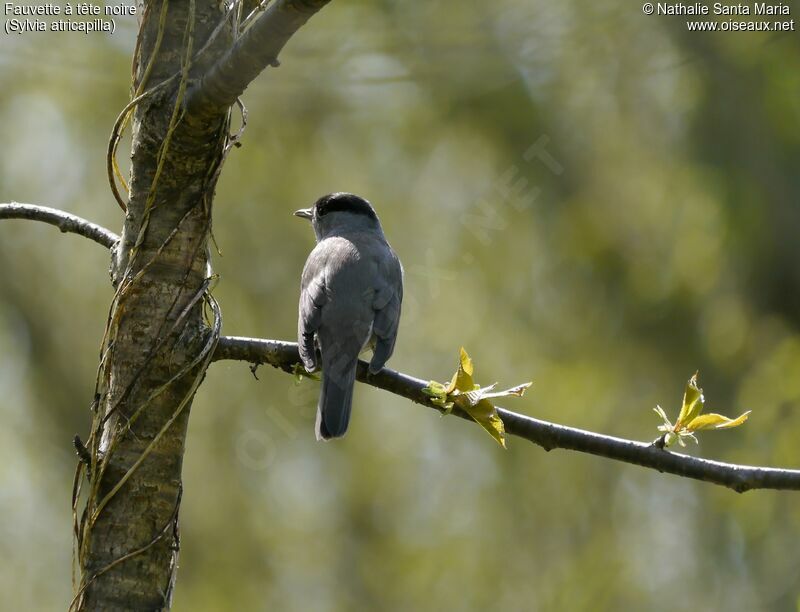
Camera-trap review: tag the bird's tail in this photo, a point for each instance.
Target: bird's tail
(335, 399)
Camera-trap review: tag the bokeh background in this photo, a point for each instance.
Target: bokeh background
(582, 196)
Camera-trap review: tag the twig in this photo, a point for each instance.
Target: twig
(62, 220)
(284, 355)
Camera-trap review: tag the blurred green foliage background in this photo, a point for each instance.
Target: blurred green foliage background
(657, 236)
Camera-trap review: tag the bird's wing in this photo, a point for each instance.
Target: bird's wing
(312, 298)
(387, 303)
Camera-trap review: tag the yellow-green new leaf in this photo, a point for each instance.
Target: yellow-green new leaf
(438, 394)
(472, 398)
(484, 413)
(716, 421)
(435, 390)
(692, 402)
(691, 418)
(462, 379)
(493, 424)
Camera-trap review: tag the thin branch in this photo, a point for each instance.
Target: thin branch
(740, 478)
(250, 54)
(284, 355)
(62, 220)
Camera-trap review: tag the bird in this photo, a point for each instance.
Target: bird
(351, 292)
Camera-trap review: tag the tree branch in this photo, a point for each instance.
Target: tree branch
(62, 220)
(284, 355)
(252, 52)
(740, 478)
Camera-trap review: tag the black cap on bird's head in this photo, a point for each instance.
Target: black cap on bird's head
(338, 202)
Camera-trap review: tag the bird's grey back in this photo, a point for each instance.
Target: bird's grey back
(351, 290)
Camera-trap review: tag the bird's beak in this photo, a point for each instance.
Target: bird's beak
(305, 213)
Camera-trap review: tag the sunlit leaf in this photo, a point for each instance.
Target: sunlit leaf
(472, 398)
(435, 390)
(438, 394)
(716, 421)
(462, 379)
(494, 425)
(692, 402)
(691, 420)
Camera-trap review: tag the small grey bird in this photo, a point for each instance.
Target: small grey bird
(350, 296)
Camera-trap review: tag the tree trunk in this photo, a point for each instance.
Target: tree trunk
(158, 343)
